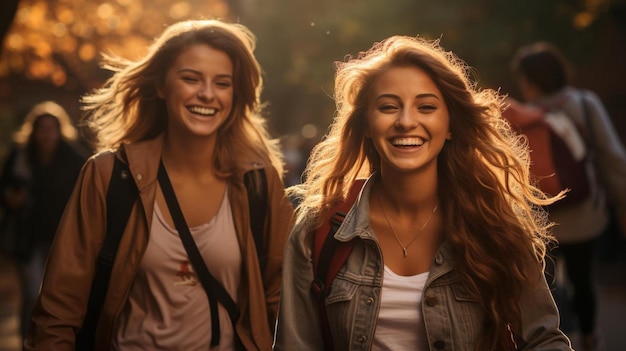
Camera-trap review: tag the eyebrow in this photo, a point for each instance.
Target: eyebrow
(418, 96)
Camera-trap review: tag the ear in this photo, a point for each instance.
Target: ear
(160, 92)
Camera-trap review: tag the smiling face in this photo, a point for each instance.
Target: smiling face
(407, 120)
(198, 90)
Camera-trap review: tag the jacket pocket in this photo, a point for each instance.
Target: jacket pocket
(341, 290)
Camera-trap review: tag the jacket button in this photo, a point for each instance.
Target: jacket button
(139, 176)
(362, 338)
(439, 344)
(369, 300)
(431, 300)
(439, 259)
(124, 175)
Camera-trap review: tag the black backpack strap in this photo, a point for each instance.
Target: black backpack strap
(215, 291)
(256, 185)
(121, 196)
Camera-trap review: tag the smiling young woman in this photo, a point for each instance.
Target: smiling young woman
(447, 240)
(185, 121)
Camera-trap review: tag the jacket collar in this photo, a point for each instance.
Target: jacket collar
(143, 159)
(357, 224)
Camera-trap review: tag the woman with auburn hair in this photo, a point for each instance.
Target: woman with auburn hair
(448, 233)
(186, 122)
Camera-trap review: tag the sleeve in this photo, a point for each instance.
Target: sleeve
(298, 318)
(540, 319)
(280, 221)
(6, 178)
(609, 152)
(62, 303)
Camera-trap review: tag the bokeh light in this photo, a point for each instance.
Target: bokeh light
(52, 40)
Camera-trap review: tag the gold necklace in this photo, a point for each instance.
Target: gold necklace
(404, 248)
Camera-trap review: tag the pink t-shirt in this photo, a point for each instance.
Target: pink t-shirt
(167, 308)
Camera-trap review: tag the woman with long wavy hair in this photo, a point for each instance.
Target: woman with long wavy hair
(186, 121)
(449, 235)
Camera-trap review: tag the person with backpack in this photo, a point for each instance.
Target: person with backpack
(542, 74)
(443, 243)
(189, 270)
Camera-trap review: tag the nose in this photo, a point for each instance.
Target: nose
(206, 92)
(407, 119)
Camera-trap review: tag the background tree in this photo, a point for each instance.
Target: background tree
(54, 46)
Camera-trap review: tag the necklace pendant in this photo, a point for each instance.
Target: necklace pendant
(405, 253)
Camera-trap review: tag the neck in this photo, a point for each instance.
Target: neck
(406, 194)
(189, 155)
(45, 155)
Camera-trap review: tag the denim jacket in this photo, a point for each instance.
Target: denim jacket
(453, 320)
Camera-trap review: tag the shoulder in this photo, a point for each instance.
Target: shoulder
(100, 165)
(578, 95)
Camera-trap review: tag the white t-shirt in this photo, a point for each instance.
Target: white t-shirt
(400, 325)
(167, 308)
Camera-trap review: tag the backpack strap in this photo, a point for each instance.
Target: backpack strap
(214, 289)
(121, 196)
(256, 185)
(329, 256)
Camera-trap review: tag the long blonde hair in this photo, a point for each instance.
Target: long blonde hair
(127, 109)
(490, 205)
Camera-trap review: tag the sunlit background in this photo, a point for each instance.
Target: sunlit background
(51, 48)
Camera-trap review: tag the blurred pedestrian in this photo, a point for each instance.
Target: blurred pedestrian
(186, 120)
(37, 179)
(542, 73)
(447, 244)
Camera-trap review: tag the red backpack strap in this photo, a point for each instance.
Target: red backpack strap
(330, 254)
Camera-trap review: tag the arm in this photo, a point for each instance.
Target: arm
(280, 220)
(540, 319)
(61, 306)
(610, 155)
(298, 319)
(11, 193)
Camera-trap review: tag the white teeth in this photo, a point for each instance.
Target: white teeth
(203, 110)
(407, 142)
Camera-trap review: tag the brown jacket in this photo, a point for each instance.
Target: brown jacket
(61, 307)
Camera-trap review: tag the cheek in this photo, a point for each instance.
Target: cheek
(227, 97)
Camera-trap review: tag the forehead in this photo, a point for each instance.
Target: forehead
(46, 120)
(404, 80)
(203, 56)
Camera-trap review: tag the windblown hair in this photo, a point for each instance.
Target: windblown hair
(127, 109)
(542, 64)
(492, 210)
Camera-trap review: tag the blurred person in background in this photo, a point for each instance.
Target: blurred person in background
(543, 76)
(36, 181)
